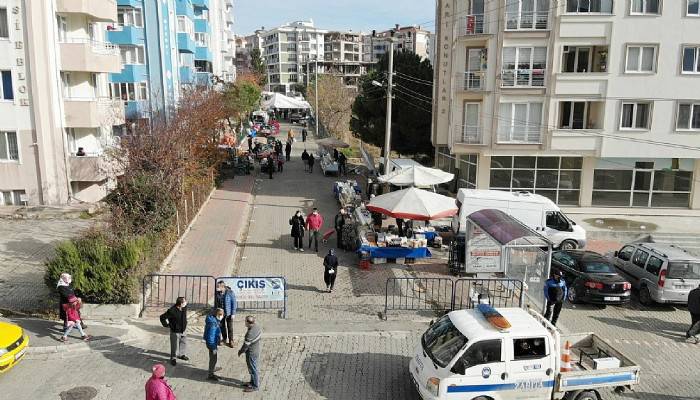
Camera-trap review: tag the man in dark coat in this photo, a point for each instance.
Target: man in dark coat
(250, 143)
(288, 150)
(554, 293)
(305, 159)
(303, 135)
(311, 163)
(226, 300)
(212, 331)
(335, 154)
(270, 165)
(176, 319)
(297, 222)
(251, 349)
(330, 269)
(339, 223)
(342, 164)
(694, 309)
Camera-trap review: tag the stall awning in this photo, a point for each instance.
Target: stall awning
(506, 229)
(280, 102)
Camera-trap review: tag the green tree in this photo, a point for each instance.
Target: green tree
(243, 96)
(257, 65)
(411, 107)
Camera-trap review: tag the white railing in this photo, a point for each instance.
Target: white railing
(95, 45)
(522, 77)
(473, 24)
(471, 134)
(520, 135)
(527, 20)
(474, 80)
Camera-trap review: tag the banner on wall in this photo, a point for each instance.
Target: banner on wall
(257, 289)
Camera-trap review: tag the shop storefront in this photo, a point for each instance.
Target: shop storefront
(464, 166)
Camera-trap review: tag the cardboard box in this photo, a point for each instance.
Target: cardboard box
(606, 363)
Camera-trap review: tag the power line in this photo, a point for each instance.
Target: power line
(429, 98)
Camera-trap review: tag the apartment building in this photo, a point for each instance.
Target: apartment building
(414, 39)
(343, 57)
(244, 47)
(288, 50)
(56, 116)
(590, 103)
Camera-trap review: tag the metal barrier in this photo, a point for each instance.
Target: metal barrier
(271, 292)
(446, 294)
(414, 294)
(162, 290)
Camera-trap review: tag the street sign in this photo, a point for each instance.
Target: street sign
(256, 288)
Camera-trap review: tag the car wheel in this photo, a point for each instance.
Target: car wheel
(572, 295)
(568, 245)
(645, 296)
(587, 395)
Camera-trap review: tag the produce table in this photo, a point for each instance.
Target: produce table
(430, 235)
(396, 252)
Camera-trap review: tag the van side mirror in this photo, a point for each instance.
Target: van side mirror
(615, 253)
(432, 321)
(458, 368)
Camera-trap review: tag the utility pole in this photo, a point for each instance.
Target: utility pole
(316, 88)
(389, 90)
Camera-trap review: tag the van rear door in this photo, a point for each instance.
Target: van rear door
(681, 277)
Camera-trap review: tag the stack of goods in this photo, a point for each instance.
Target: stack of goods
(388, 240)
(349, 237)
(347, 193)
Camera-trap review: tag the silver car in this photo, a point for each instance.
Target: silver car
(663, 273)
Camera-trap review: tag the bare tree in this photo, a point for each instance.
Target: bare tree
(334, 104)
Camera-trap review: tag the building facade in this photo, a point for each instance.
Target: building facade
(56, 114)
(413, 39)
(244, 48)
(343, 57)
(587, 103)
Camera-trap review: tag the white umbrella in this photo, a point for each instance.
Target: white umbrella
(417, 176)
(414, 204)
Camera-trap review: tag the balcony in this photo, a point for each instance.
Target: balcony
(90, 168)
(202, 26)
(85, 55)
(92, 112)
(185, 8)
(527, 21)
(130, 3)
(473, 81)
(472, 25)
(130, 73)
(97, 10)
(200, 4)
(523, 78)
(136, 109)
(203, 53)
(577, 115)
(186, 75)
(584, 59)
(125, 34)
(471, 134)
(202, 78)
(185, 43)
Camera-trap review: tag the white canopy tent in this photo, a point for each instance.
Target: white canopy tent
(280, 102)
(417, 176)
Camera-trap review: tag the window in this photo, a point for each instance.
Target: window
(626, 253)
(484, 352)
(6, 92)
(654, 265)
(185, 25)
(560, 256)
(691, 59)
(589, 6)
(529, 348)
(641, 59)
(645, 7)
(573, 114)
(13, 198)
(557, 178)
(526, 14)
(520, 122)
(635, 116)
(132, 54)
(694, 7)
(62, 28)
(9, 150)
(442, 341)
(129, 91)
(688, 116)
(557, 221)
(640, 258)
(128, 16)
(524, 66)
(4, 24)
(201, 39)
(576, 59)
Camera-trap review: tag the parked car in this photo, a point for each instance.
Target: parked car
(663, 273)
(297, 118)
(591, 278)
(13, 345)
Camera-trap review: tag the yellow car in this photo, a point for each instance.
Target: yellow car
(13, 345)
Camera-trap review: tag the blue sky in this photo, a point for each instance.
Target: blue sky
(358, 15)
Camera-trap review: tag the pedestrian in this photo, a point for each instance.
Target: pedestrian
(305, 159)
(311, 163)
(212, 334)
(554, 294)
(280, 163)
(694, 309)
(251, 348)
(339, 223)
(288, 149)
(313, 225)
(270, 165)
(399, 224)
(297, 223)
(157, 387)
(64, 289)
(290, 136)
(176, 319)
(335, 154)
(226, 300)
(278, 148)
(303, 135)
(330, 269)
(342, 164)
(250, 143)
(72, 310)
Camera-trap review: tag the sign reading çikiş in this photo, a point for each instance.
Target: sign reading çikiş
(256, 289)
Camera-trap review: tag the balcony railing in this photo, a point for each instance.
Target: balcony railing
(522, 77)
(471, 134)
(474, 80)
(474, 24)
(527, 20)
(97, 47)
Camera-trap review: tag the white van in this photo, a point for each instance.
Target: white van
(533, 210)
(261, 117)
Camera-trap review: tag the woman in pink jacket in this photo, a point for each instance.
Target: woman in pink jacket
(157, 387)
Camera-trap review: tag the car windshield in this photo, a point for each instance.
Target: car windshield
(597, 267)
(442, 341)
(683, 270)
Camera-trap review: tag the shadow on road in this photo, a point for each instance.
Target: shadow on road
(671, 330)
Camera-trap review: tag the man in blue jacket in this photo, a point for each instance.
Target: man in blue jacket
(554, 294)
(212, 331)
(226, 300)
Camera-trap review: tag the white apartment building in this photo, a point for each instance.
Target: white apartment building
(223, 40)
(56, 118)
(590, 103)
(287, 51)
(343, 56)
(414, 39)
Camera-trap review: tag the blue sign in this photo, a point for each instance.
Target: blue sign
(256, 289)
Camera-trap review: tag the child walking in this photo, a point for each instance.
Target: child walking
(72, 309)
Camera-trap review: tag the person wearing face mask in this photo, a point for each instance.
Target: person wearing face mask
(225, 299)
(212, 331)
(297, 222)
(176, 319)
(65, 291)
(314, 222)
(330, 265)
(157, 387)
(554, 294)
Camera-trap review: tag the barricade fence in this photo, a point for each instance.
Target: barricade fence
(447, 294)
(252, 293)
